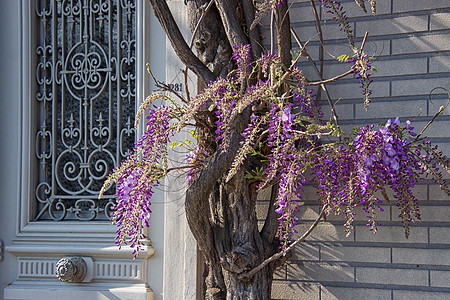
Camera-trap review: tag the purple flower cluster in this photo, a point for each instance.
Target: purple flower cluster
(139, 174)
(226, 104)
(242, 57)
(268, 60)
(375, 159)
(290, 192)
(264, 7)
(362, 70)
(134, 191)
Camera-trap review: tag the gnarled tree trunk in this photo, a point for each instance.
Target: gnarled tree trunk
(222, 215)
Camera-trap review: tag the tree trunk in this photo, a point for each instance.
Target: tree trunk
(235, 243)
(220, 214)
(259, 288)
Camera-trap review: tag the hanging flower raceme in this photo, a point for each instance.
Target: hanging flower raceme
(363, 70)
(263, 8)
(335, 8)
(241, 56)
(139, 174)
(374, 160)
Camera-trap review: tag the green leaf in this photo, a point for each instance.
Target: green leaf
(193, 132)
(343, 58)
(173, 144)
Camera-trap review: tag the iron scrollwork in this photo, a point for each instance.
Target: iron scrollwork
(85, 93)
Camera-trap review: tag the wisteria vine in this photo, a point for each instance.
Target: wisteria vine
(283, 137)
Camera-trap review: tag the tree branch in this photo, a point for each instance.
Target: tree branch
(320, 74)
(199, 22)
(179, 45)
(284, 33)
(199, 190)
(231, 23)
(254, 34)
(274, 257)
(271, 223)
(332, 79)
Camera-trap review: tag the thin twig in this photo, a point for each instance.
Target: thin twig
(319, 30)
(274, 257)
(164, 86)
(271, 31)
(323, 86)
(441, 109)
(188, 95)
(332, 79)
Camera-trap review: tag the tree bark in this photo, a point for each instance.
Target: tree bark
(210, 41)
(237, 241)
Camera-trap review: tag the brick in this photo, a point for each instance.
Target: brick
(437, 257)
(440, 278)
(261, 210)
(397, 67)
(374, 48)
(344, 111)
(342, 293)
(390, 109)
(355, 254)
(440, 21)
(305, 33)
(394, 67)
(435, 213)
(434, 106)
(383, 26)
(331, 30)
(310, 193)
(361, 215)
(308, 212)
(294, 290)
(264, 194)
(300, 14)
(305, 251)
(336, 68)
(440, 235)
(391, 276)
(418, 295)
(325, 232)
(416, 5)
(309, 71)
(280, 273)
(439, 129)
(427, 43)
(439, 64)
(437, 194)
(353, 10)
(414, 87)
(310, 271)
(391, 234)
(353, 91)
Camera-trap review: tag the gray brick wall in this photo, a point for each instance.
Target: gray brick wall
(411, 40)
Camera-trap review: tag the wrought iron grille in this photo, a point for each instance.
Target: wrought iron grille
(85, 94)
